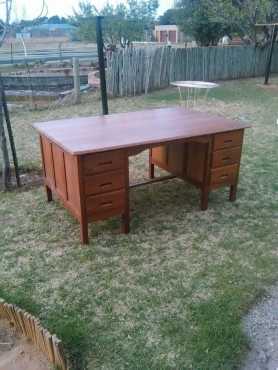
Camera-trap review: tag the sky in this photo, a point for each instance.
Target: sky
(29, 9)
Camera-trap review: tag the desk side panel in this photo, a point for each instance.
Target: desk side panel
(59, 172)
(73, 183)
(48, 165)
(196, 162)
(61, 175)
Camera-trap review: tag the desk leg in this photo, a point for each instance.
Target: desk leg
(233, 191)
(84, 232)
(205, 186)
(151, 166)
(204, 199)
(125, 223)
(125, 215)
(48, 193)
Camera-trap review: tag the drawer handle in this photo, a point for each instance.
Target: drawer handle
(228, 141)
(106, 204)
(104, 163)
(224, 176)
(226, 159)
(106, 184)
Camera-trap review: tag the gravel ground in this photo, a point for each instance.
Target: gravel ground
(261, 326)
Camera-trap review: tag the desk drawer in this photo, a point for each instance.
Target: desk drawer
(224, 175)
(104, 182)
(226, 157)
(103, 162)
(228, 140)
(105, 205)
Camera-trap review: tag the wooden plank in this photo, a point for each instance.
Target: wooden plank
(48, 161)
(152, 181)
(59, 171)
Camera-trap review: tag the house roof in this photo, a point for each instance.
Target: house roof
(50, 27)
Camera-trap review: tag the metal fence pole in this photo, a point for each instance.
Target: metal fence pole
(269, 59)
(101, 63)
(9, 129)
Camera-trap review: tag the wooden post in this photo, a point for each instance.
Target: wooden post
(270, 54)
(60, 51)
(76, 79)
(101, 63)
(12, 56)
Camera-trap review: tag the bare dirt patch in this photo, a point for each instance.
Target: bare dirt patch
(16, 353)
(272, 87)
(28, 180)
(32, 178)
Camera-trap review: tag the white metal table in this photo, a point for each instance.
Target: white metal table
(192, 90)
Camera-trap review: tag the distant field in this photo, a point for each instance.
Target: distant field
(45, 49)
(47, 42)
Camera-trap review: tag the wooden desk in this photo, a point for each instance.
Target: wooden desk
(85, 160)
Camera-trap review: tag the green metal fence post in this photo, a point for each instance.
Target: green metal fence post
(9, 129)
(101, 63)
(269, 60)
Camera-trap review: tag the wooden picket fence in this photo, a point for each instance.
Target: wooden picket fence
(31, 328)
(139, 70)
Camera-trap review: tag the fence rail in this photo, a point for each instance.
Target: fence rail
(15, 54)
(137, 71)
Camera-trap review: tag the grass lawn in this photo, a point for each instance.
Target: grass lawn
(171, 294)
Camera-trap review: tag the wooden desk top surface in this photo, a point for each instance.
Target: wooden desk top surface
(133, 129)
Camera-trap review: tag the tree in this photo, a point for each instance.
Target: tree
(209, 20)
(199, 19)
(252, 12)
(5, 23)
(169, 17)
(122, 24)
(55, 19)
(84, 19)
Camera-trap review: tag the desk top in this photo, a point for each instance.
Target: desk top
(133, 129)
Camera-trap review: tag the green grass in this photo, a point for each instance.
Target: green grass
(171, 294)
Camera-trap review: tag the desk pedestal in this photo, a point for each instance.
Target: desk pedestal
(92, 187)
(207, 162)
